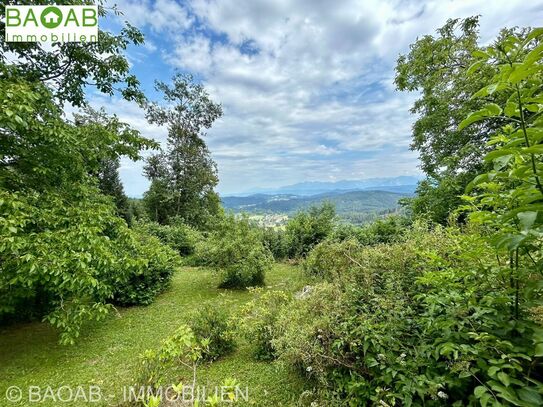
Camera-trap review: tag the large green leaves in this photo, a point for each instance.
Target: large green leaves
(489, 110)
(509, 198)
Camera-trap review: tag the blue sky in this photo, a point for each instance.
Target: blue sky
(306, 85)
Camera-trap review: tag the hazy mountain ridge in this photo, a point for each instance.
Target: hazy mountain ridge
(392, 184)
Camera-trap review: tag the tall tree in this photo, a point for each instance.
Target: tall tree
(447, 70)
(107, 170)
(436, 67)
(110, 184)
(183, 177)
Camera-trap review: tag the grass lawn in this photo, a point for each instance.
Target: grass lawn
(107, 352)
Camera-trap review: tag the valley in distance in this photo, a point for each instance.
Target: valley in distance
(356, 201)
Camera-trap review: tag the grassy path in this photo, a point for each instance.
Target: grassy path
(107, 352)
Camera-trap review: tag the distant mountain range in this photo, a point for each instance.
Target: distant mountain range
(402, 184)
(351, 206)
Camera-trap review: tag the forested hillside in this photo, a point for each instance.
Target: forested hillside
(171, 300)
(355, 207)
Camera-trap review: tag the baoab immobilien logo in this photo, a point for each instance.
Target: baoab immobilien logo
(51, 24)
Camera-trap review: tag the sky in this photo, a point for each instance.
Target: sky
(306, 85)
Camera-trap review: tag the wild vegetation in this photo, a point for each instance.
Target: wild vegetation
(438, 306)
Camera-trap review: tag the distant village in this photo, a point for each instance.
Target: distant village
(270, 220)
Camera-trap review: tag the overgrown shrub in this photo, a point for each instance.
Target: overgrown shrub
(257, 321)
(213, 322)
(389, 229)
(276, 242)
(183, 349)
(423, 322)
(178, 235)
(330, 258)
(306, 229)
(151, 275)
(64, 258)
(235, 248)
(63, 249)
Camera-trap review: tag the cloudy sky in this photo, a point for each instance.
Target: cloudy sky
(306, 85)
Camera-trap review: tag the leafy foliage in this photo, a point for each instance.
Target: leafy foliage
(436, 66)
(66, 258)
(178, 236)
(183, 177)
(510, 202)
(63, 247)
(182, 348)
(417, 323)
(511, 194)
(109, 180)
(68, 68)
(444, 316)
(437, 198)
(446, 70)
(276, 242)
(257, 321)
(385, 230)
(213, 323)
(330, 258)
(308, 228)
(151, 276)
(235, 248)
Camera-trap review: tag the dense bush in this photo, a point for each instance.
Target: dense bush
(213, 323)
(425, 322)
(177, 235)
(60, 260)
(385, 230)
(330, 258)
(306, 229)
(275, 240)
(63, 249)
(151, 275)
(257, 321)
(235, 248)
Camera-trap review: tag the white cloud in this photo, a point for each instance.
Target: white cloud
(159, 15)
(307, 85)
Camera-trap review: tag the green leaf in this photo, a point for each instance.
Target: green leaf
(504, 378)
(536, 32)
(472, 118)
(480, 54)
(527, 219)
(479, 179)
(485, 398)
(530, 395)
(537, 149)
(489, 110)
(493, 370)
(490, 89)
(534, 55)
(474, 67)
(479, 391)
(493, 109)
(539, 350)
(511, 109)
(498, 153)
